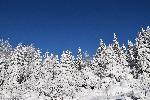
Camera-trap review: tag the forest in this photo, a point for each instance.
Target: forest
(114, 72)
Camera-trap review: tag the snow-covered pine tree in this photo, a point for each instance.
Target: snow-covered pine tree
(117, 72)
(89, 80)
(27, 60)
(79, 63)
(143, 47)
(132, 58)
(114, 59)
(119, 57)
(79, 66)
(66, 77)
(98, 63)
(47, 71)
(48, 67)
(115, 45)
(5, 55)
(50, 70)
(87, 59)
(67, 59)
(143, 42)
(25, 64)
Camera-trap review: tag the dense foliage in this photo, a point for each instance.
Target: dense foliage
(115, 72)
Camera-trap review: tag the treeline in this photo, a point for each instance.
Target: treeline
(115, 70)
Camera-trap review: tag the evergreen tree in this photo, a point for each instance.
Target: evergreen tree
(50, 70)
(5, 54)
(132, 59)
(79, 63)
(143, 47)
(25, 64)
(66, 76)
(143, 50)
(98, 63)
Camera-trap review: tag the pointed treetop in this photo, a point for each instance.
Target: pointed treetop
(52, 55)
(39, 51)
(86, 54)
(102, 46)
(142, 29)
(130, 43)
(148, 28)
(79, 49)
(46, 54)
(101, 42)
(123, 47)
(56, 56)
(115, 42)
(136, 41)
(115, 37)
(63, 52)
(68, 52)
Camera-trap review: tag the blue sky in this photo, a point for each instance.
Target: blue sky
(57, 25)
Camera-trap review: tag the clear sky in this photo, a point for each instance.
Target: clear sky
(57, 25)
